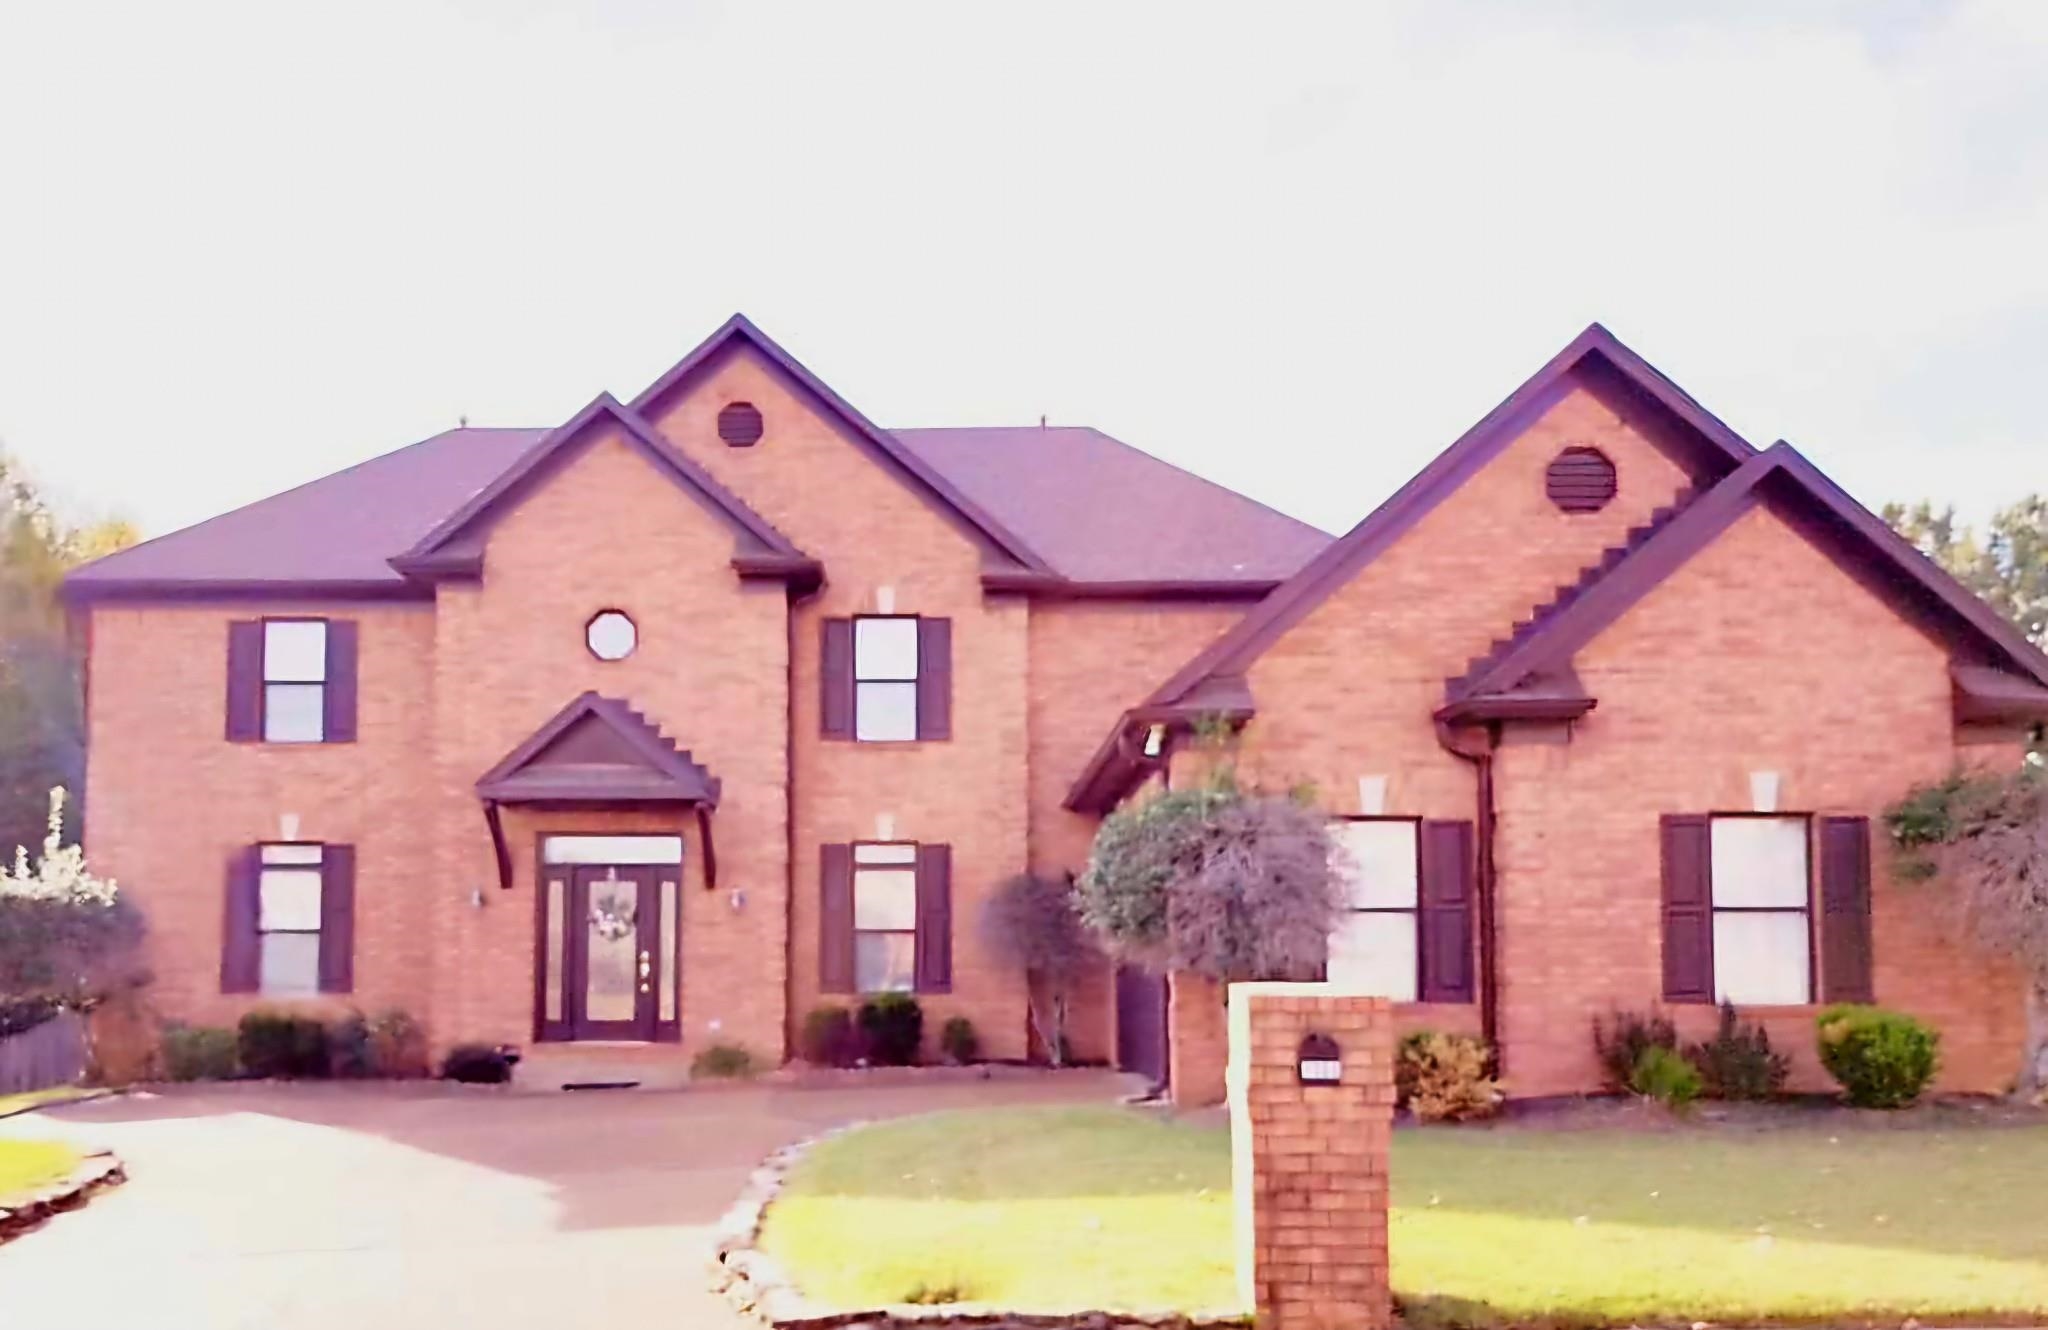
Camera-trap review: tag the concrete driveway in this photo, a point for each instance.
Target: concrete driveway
(393, 1207)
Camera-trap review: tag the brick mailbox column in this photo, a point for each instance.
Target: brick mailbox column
(1309, 1161)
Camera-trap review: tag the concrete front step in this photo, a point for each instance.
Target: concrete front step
(602, 1065)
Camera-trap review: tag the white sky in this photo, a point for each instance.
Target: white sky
(1296, 250)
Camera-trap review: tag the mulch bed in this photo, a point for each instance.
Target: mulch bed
(1795, 1113)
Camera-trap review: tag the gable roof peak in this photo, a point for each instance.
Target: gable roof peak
(1007, 549)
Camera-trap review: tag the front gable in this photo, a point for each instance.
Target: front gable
(1585, 457)
(454, 548)
(754, 415)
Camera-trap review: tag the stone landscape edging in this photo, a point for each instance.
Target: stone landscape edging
(25, 1210)
(757, 1285)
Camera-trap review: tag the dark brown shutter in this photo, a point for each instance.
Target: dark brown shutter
(1845, 910)
(339, 723)
(1445, 919)
(337, 918)
(835, 677)
(835, 918)
(240, 944)
(934, 918)
(245, 680)
(1688, 909)
(934, 678)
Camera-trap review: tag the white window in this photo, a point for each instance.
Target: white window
(294, 680)
(1375, 949)
(288, 920)
(1762, 924)
(885, 677)
(612, 635)
(885, 918)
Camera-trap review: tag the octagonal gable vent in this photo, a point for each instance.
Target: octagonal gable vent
(739, 424)
(1580, 480)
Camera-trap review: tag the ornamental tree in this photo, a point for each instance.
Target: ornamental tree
(1030, 922)
(67, 939)
(1229, 883)
(1983, 837)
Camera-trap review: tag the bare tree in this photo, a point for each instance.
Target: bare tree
(1030, 922)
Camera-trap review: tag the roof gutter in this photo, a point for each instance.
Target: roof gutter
(1478, 749)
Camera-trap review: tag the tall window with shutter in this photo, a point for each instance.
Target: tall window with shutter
(1408, 933)
(887, 678)
(290, 920)
(885, 922)
(1738, 908)
(292, 680)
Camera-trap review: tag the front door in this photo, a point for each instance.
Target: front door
(611, 971)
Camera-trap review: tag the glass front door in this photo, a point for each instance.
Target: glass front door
(614, 963)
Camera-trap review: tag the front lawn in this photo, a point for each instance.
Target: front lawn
(25, 1164)
(1067, 1209)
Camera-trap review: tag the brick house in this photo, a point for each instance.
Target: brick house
(669, 723)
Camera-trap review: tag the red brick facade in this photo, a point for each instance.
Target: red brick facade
(1763, 650)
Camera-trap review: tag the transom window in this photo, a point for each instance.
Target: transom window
(885, 677)
(885, 918)
(294, 680)
(1762, 914)
(1377, 947)
(288, 919)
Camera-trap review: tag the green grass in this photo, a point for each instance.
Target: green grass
(24, 1164)
(56, 1094)
(1101, 1208)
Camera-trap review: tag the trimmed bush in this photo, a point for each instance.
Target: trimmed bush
(478, 1064)
(1620, 1038)
(891, 1029)
(1664, 1075)
(398, 1046)
(348, 1047)
(722, 1062)
(1738, 1063)
(1880, 1058)
(1443, 1077)
(198, 1052)
(959, 1042)
(281, 1044)
(828, 1038)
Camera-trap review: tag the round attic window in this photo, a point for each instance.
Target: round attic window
(1580, 480)
(611, 636)
(739, 424)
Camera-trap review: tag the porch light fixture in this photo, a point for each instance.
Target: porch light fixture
(1319, 1061)
(1155, 740)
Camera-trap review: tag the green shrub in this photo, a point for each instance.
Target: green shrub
(1881, 1059)
(959, 1041)
(1738, 1063)
(891, 1028)
(722, 1062)
(478, 1064)
(1443, 1077)
(348, 1047)
(398, 1046)
(280, 1043)
(1664, 1075)
(198, 1052)
(1619, 1041)
(828, 1038)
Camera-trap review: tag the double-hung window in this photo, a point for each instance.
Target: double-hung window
(1377, 948)
(289, 882)
(1762, 914)
(885, 677)
(885, 918)
(294, 680)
